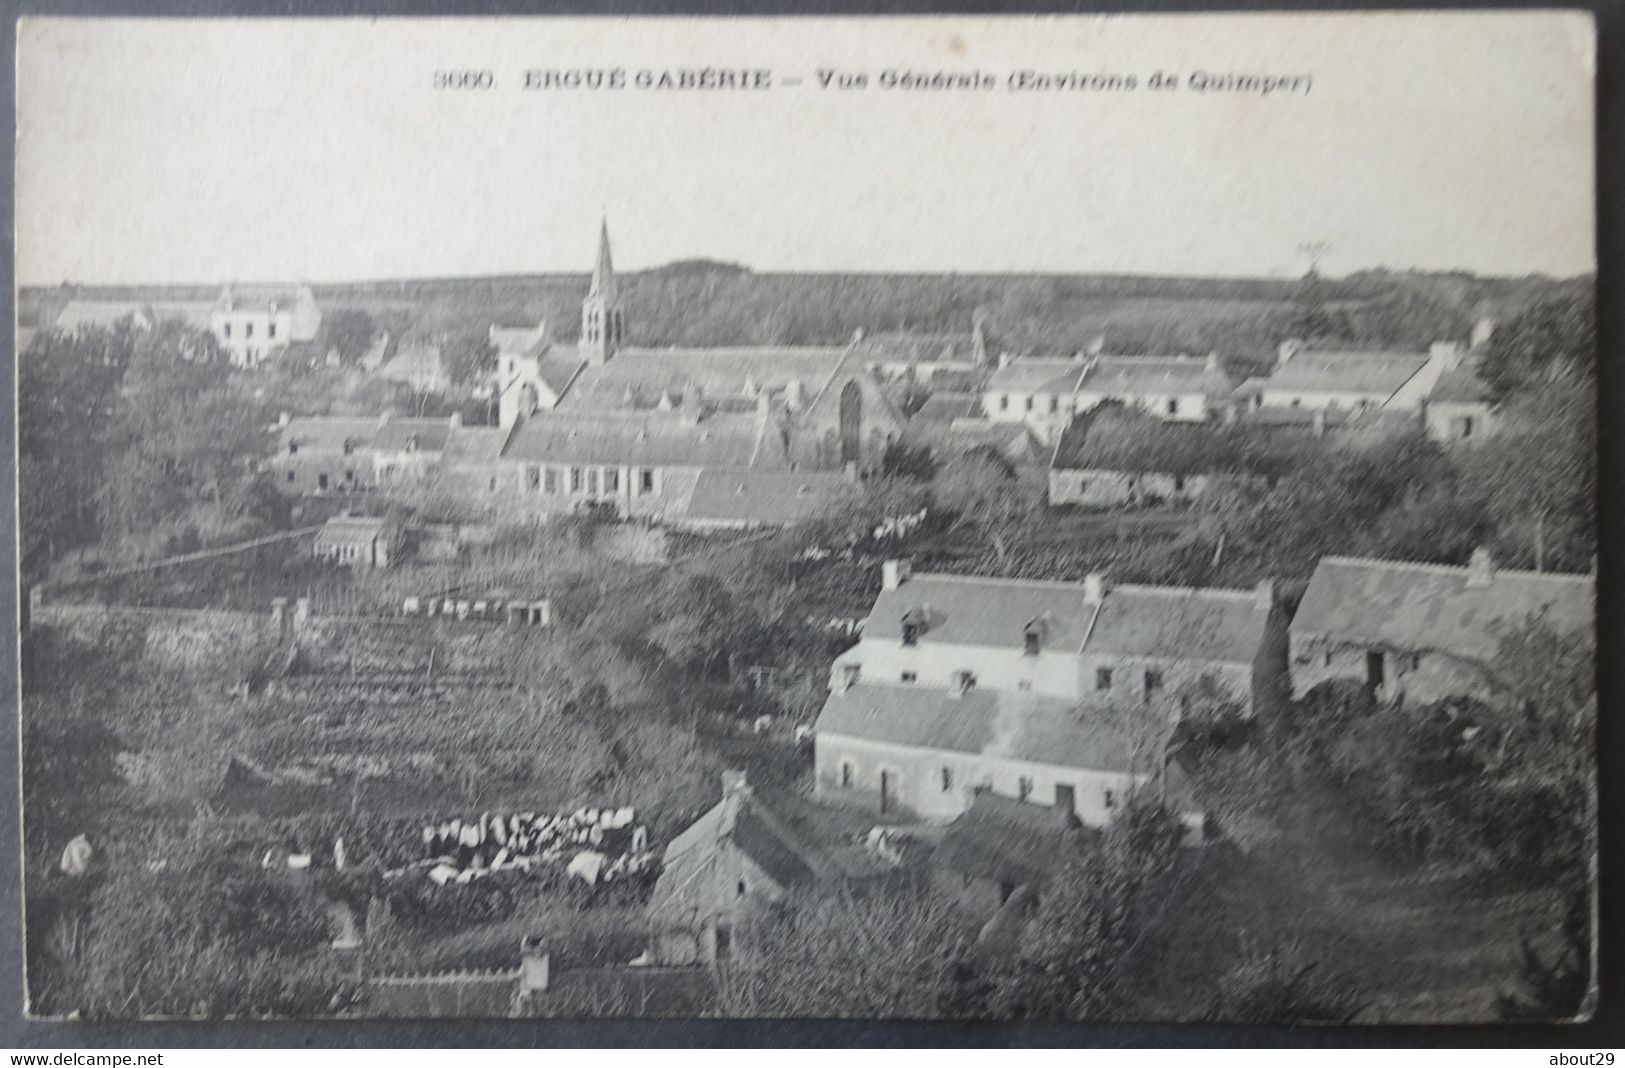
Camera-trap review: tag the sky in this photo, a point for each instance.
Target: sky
(205, 151)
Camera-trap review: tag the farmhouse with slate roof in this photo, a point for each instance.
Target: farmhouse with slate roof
(1424, 632)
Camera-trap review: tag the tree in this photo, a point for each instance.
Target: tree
(468, 356)
(350, 333)
(982, 490)
(1557, 335)
(1282, 983)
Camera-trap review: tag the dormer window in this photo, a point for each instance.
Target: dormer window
(913, 626)
(1032, 638)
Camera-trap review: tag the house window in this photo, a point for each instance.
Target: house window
(321, 481)
(293, 448)
(947, 779)
(1025, 685)
(965, 681)
(911, 632)
(612, 480)
(852, 672)
(1466, 426)
(1153, 683)
(1103, 678)
(349, 474)
(646, 481)
(493, 484)
(228, 329)
(1179, 483)
(1173, 406)
(1111, 799)
(248, 329)
(846, 774)
(1326, 659)
(910, 677)
(550, 480)
(1004, 403)
(1024, 788)
(1031, 640)
(1055, 404)
(270, 330)
(1029, 404)
(575, 480)
(592, 481)
(740, 887)
(533, 477)
(349, 447)
(290, 476)
(1296, 403)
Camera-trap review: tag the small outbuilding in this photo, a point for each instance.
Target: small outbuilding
(357, 541)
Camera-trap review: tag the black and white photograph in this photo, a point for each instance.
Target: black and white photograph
(1046, 519)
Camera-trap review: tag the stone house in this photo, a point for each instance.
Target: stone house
(357, 541)
(1045, 392)
(1349, 380)
(319, 455)
(253, 323)
(1111, 460)
(1421, 633)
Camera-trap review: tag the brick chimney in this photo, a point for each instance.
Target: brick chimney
(1480, 569)
(893, 573)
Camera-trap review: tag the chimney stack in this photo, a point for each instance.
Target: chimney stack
(1097, 345)
(1480, 569)
(284, 418)
(1289, 348)
(893, 573)
(1264, 593)
(456, 420)
(1483, 330)
(1212, 363)
(734, 781)
(1094, 588)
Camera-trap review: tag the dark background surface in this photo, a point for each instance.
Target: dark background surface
(1606, 1030)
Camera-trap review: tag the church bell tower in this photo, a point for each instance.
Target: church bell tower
(603, 328)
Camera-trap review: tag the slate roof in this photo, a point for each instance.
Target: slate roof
(1380, 373)
(741, 495)
(718, 372)
(1136, 375)
(254, 297)
(351, 528)
(1224, 626)
(652, 438)
(1414, 606)
(559, 368)
(1461, 386)
(474, 445)
(1006, 840)
(101, 313)
(1014, 441)
(415, 359)
(999, 724)
(1037, 375)
(396, 434)
(323, 433)
(1140, 443)
(687, 887)
(945, 407)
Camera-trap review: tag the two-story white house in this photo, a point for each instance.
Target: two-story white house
(254, 322)
(1055, 692)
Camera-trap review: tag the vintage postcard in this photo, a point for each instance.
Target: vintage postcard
(1068, 518)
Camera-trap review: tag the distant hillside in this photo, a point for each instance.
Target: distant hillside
(697, 302)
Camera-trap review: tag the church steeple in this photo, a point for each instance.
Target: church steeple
(603, 327)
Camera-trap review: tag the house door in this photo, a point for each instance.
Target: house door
(1374, 672)
(1066, 798)
(886, 787)
(851, 424)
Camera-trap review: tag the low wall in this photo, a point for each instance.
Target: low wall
(171, 636)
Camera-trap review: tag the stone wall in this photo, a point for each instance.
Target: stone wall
(167, 636)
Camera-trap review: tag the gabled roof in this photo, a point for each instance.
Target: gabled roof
(1461, 386)
(1225, 626)
(397, 434)
(1421, 607)
(999, 724)
(851, 366)
(645, 373)
(325, 433)
(1009, 841)
(945, 407)
(351, 529)
(1037, 374)
(652, 438)
(1014, 441)
(474, 445)
(559, 367)
(1374, 373)
(1130, 376)
(775, 498)
(688, 886)
(257, 297)
(1136, 442)
(103, 313)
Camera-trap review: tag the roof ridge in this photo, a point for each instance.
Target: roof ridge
(1453, 569)
(1071, 584)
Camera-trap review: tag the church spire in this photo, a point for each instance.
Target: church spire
(603, 272)
(603, 327)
